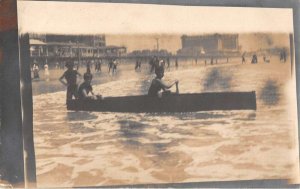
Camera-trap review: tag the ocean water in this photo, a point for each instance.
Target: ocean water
(102, 148)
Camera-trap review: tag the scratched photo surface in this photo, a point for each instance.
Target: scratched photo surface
(207, 49)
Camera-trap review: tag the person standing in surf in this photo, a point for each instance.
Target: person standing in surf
(243, 58)
(168, 62)
(136, 65)
(35, 70)
(46, 71)
(254, 59)
(115, 64)
(71, 77)
(110, 65)
(99, 64)
(88, 71)
(153, 63)
(158, 86)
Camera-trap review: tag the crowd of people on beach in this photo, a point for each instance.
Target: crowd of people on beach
(157, 65)
(112, 63)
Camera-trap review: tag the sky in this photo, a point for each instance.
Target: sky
(138, 25)
(138, 42)
(247, 41)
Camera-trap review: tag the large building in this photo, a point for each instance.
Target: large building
(90, 40)
(51, 47)
(213, 44)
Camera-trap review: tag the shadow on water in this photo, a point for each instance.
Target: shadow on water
(80, 128)
(133, 131)
(80, 116)
(193, 115)
(270, 93)
(217, 80)
(249, 117)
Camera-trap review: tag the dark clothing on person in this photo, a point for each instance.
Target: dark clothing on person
(283, 56)
(140, 64)
(84, 86)
(152, 65)
(154, 62)
(155, 87)
(243, 59)
(98, 66)
(88, 75)
(72, 91)
(35, 70)
(114, 68)
(136, 65)
(71, 76)
(110, 66)
(254, 59)
(36, 74)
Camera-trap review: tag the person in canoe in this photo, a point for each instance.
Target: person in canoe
(85, 90)
(158, 86)
(71, 77)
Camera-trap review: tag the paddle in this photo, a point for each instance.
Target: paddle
(177, 88)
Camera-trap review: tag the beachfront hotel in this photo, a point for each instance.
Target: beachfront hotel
(52, 48)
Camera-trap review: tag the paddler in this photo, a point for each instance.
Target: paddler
(158, 86)
(71, 77)
(85, 90)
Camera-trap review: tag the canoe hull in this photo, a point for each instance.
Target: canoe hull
(169, 103)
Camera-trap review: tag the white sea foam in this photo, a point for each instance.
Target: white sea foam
(101, 148)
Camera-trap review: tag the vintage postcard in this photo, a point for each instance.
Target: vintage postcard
(127, 94)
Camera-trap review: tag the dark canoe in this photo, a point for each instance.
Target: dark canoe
(169, 103)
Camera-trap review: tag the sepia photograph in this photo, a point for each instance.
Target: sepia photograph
(129, 94)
